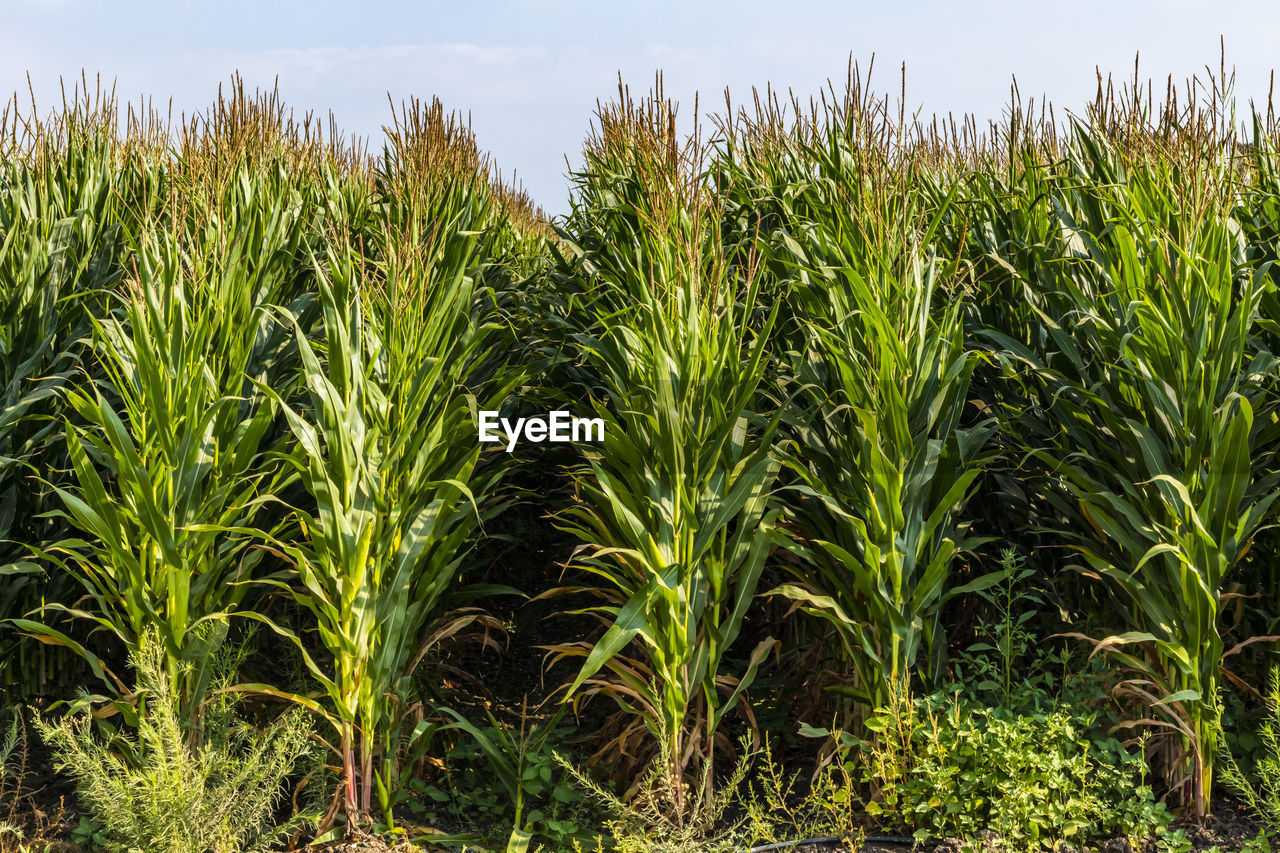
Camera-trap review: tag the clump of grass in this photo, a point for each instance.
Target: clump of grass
(667, 816)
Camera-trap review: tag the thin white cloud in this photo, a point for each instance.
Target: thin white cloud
(323, 60)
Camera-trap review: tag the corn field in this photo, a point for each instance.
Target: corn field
(881, 399)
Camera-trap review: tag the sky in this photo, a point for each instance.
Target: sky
(530, 72)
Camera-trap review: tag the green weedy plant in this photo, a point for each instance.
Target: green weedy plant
(944, 766)
(218, 797)
(825, 804)
(1156, 418)
(521, 762)
(672, 508)
(1006, 639)
(1263, 798)
(667, 819)
(387, 445)
(10, 777)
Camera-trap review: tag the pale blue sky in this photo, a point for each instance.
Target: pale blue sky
(530, 71)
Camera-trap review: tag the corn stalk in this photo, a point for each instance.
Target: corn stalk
(1156, 416)
(388, 451)
(167, 451)
(673, 508)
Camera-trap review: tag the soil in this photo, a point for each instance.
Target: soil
(1229, 828)
(362, 842)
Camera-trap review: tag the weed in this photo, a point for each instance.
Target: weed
(175, 796)
(1262, 797)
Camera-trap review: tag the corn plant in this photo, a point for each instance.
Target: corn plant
(873, 377)
(167, 449)
(387, 448)
(673, 505)
(1156, 414)
(884, 469)
(59, 253)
